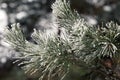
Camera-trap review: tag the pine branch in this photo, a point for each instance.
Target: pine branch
(101, 42)
(64, 15)
(15, 36)
(83, 45)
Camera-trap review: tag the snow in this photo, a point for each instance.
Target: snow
(3, 20)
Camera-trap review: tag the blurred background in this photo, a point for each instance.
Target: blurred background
(37, 14)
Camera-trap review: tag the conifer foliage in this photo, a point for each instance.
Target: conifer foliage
(95, 50)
